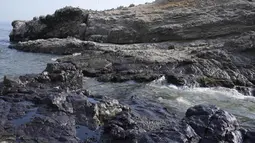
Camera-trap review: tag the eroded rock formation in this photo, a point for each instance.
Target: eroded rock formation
(194, 43)
(190, 42)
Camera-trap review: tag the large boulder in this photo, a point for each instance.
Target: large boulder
(65, 74)
(213, 124)
(202, 124)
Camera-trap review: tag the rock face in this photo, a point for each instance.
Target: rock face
(63, 23)
(157, 22)
(225, 61)
(191, 42)
(213, 124)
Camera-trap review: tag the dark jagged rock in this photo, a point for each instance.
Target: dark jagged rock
(65, 22)
(66, 73)
(215, 62)
(51, 113)
(203, 123)
(207, 65)
(57, 127)
(248, 136)
(190, 42)
(253, 92)
(122, 128)
(212, 48)
(10, 82)
(128, 127)
(179, 81)
(213, 124)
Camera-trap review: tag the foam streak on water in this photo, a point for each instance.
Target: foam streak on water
(176, 98)
(228, 99)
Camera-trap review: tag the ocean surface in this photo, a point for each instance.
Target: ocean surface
(13, 62)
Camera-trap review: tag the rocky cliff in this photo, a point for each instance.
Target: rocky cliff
(157, 22)
(192, 42)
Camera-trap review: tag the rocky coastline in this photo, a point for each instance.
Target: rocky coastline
(190, 42)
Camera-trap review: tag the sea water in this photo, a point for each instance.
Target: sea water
(13, 62)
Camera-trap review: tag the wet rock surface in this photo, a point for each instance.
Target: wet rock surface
(213, 124)
(190, 43)
(202, 123)
(39, 111)
(48, 114)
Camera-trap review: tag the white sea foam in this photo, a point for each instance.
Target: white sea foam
(54, 59)
(76, 54)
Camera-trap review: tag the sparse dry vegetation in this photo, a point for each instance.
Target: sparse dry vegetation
(182, 3)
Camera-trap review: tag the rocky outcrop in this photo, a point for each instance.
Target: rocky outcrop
(63, 23)
(213, 124)
(156, 22)
(189, 42)
(45, 112)
(207, 43)
(33, 110)
(55, 46)
(202, 123)
(225, 61)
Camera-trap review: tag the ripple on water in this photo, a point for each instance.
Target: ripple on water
(13, 62)
(228, 99)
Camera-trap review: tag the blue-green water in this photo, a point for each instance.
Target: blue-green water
(13, 62)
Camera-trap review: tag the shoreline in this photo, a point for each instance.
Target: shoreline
(189, 47)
